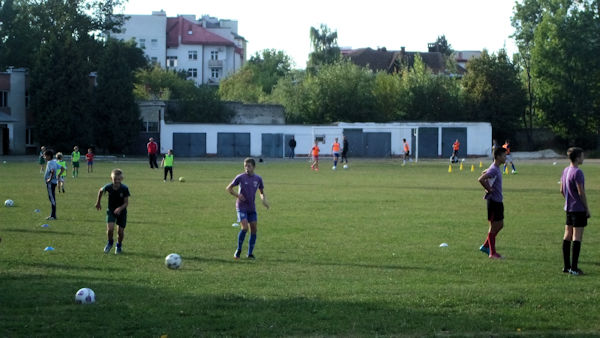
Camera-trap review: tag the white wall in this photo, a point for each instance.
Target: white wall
(147, 27)
(479, 135)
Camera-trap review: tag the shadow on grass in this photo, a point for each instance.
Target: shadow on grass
(58, 266)
(40, 231)
(39, 305)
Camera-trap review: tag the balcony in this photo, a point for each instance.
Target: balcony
(215, 63)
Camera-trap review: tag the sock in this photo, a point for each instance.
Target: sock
(513, 166)
(566, 248)
(251, 243)
(335, 163)
(118, 244)
(576, 249)
(487, 242)
(241, 237)
(492, 242)
(504, 170)
(110, 241)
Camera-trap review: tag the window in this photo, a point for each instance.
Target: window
(154, 43)
(171, 61)
(143, 43)
(154, 60)
(214, 73)
(214, 55)
(192, 72)
(3, 98)
(148, 126)
(192, 55)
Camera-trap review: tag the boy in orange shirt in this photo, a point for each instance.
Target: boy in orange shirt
(335, 149)
(315, 157)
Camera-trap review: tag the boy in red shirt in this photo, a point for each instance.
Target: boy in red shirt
(90, 160)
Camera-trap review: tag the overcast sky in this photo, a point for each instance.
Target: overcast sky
(285, 24)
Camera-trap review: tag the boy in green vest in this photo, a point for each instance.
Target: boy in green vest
(75, 155)
(167, 163)
(61, 179)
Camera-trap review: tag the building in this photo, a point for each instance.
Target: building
(207, 49)
(15, 130)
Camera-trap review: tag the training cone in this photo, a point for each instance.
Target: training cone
(461, 167)
(472, 167)
(450, 168)
(480, 164)
(506, 170)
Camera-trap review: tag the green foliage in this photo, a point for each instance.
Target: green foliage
(351, 253)
(18, 42)
(117, 118)
(566, 68)
(325, 49)
(242, 86)
(441, 45)
(156, 83)
(494, 92)
(197, 104)
(387, 96)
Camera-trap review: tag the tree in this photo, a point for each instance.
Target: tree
(117, 118)
(268, 67)
(494, 92)
(325, 48)
(387, 95)
(242, 86)
(441, 45)
(566, 68)
(18, 44)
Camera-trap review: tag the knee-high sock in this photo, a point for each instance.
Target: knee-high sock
(492, 242)
(251, 243)
(566, 248)
(576, 249)
(241, 237)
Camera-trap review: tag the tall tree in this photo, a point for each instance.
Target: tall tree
(268, 67)
(325, 48)
(441, 45)
(19, 41)
(117, 119)
(494, 92)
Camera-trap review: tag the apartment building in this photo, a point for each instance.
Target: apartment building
(15, 133)
(207, 49)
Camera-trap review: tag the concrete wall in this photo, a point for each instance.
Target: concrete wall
(256, 113)
(479, 135)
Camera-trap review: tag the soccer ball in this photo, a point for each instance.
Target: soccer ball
(333, 168)
(85, 296)
(9, 203)
(173, 261)
(182, 179)
(345, 166)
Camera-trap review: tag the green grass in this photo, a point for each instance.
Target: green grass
(347, 253)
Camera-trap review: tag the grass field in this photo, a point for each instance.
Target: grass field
(347, 253)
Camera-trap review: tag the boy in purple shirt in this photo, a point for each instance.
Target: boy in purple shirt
(573, 189)
(491, 180)
(248, 183)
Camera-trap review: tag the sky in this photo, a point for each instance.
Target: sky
(285, 24)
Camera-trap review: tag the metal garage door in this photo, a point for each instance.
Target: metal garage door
(233, 144)
(189, 144)
(428, 142)
(356, 147)
(272, 145)
(378, 144)
(449, 135)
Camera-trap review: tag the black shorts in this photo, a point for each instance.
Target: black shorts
(121, 219)
(495, 211)
(407, 153)
(577, 219)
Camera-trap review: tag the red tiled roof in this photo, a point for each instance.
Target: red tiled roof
(180, 27)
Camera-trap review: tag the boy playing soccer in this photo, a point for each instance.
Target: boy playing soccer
(315, 157)
(75, 155)
(335, 149)
(90, 160)
(167, 163)
(406, 151)
(491, 180)
(118, 200)
(573, 189)
(53, 171)
(248, 183)
(506, 146)
(61, 179)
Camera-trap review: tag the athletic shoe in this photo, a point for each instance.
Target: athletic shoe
(566, 270)
(236, 255)
(118, 250)
(107, 248)
(485, 250)
(576, 272)
(514, 171)
(251, 256)
(50, 218)
(496, 256)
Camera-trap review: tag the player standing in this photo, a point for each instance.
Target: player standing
(506, 146)
(491, 180)
(248, 183)
(335, 149)
(53, 171)
(315, 157)
(406, 151)
(345, 152)
(572, 187)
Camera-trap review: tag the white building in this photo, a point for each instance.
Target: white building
(207, 49)
(15, 133)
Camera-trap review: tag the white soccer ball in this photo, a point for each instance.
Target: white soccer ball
(85, 296)
(182, 179)
(333, 168)
(345, 166)
(173, 261)
(9, 203)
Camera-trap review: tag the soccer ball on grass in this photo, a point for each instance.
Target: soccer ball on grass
(173, 261)
(182, 179)
(85, 296)
(9, 203)
(345, 166)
